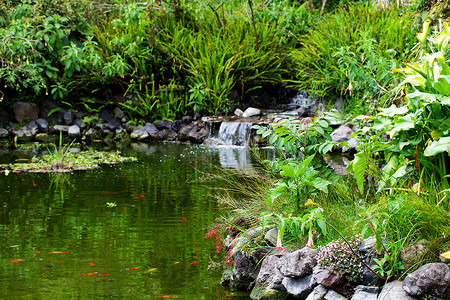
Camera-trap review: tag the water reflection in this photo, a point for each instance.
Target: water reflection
(59, 232)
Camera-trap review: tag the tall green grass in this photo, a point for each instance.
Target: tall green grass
(318, 68)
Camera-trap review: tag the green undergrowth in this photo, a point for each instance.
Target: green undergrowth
(67, 162)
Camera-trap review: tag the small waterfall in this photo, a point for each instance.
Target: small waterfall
(234, 133)
(302, 99)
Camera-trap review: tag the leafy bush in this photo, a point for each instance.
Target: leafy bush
(334, 54)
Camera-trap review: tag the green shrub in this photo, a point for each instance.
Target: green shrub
(334, 53)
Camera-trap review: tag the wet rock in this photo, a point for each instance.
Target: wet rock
(271, 236)
(45, 138)
(186, 119)
(227, 278)
(318, 293)
(105, 115)
(58, 128)
(269, 276)
(412, 253)
(193, 133)
(164, 124)
(176, 125)
(68, 117)
(42, 124)
(251, 112)
(238, 113)
(166, 135)
(91, 135)
(366, 293)
(74, 131)
(79, 123)
(245, 271)
(25, 111)
(299, 287)
(197, 116)
(27, 131)
(4, 133)
(299, 263)
(432, 279)
(145, 132)
(394, 291)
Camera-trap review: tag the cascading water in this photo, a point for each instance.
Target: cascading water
(234, 133)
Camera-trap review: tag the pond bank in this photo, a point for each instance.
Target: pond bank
(44, 124)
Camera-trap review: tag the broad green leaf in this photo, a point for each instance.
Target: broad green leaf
(322, 226)
(443, 86)
(438, 146)
(321, 184)
(426, 97)
(359, 166)
(402, 123)
(392, 111)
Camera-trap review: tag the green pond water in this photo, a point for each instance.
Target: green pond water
(139, 225)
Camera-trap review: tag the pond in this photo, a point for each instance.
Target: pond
(133, 230)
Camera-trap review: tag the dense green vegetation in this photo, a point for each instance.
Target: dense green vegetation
(161, 59)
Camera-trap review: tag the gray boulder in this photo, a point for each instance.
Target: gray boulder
(271, 236)
(299, 263)
(332, 295)
(432, 279)
(342, 134)
(334, 281)
(74, 131)
(412, 253)
(366, 293)
(145, 132)
(27, 131)
(269, 275)
(42, 124)
(269, 281)
(58, 128)
(394, 291)
(245, 271)
(25, 111)
(318, 293)
(299, 287)
(238, 112)
(3, 133)
(251, 112)
(163, 124)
